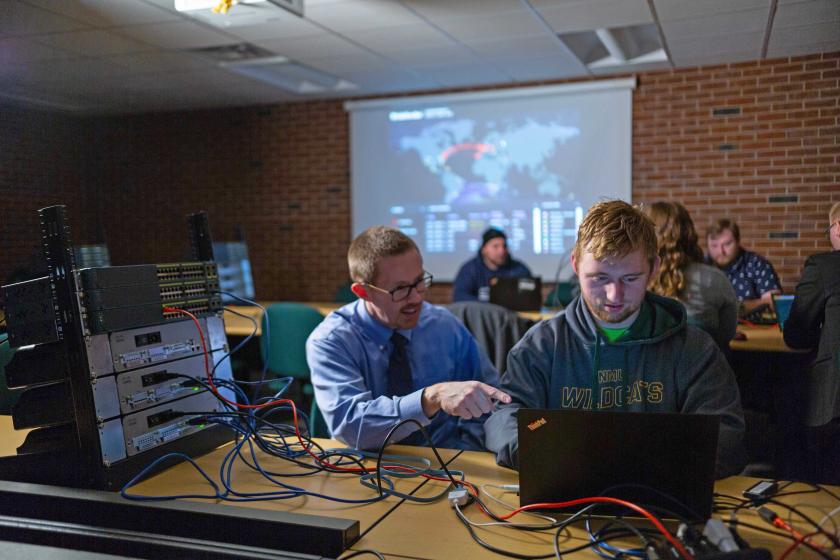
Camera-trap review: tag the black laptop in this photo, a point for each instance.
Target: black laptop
(518, 294)
(658, 459)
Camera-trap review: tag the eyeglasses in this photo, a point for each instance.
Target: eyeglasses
(402, 292)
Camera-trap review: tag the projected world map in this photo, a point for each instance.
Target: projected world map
(493, 161)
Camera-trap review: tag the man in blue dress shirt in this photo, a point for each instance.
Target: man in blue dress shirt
(390, 356)
(752, 276)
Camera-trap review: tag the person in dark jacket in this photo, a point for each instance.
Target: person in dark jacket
(493, 261)
(619, 347)
(814, 323)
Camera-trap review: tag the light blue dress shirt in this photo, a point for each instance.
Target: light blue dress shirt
(348, 356)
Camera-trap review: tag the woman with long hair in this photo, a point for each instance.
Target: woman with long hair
(705, 292)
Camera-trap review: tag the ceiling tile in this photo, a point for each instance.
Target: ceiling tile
(360, 14)
(520, 47)
(92, 43)
(178, 35)
(624, 69)
(749, 21)
(340, 65)
(399, 37)
(669, 10)
(595, 14)
(455, 75)
(540, 68)
(392, 80)
(384, 46)
(703, 47)
(17, 51)
(22, 19)
(496, 26)
(69, 71)
(46, 100)
(161, 61)
(701, 59)
(281, 25)
(776, 51)
(437, 11)
(807, 13)
(817, 33)
(317, 46)
(108, 13)
(437, 56)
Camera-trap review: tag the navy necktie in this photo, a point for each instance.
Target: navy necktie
(399, 368)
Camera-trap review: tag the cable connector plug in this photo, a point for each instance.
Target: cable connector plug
(768, 515)
(459, 497)
(719, 535)
(651, 553)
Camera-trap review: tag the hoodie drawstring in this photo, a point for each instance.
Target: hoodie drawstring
(596, 358)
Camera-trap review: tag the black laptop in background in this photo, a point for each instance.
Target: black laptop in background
(518, 294)
(570, 454)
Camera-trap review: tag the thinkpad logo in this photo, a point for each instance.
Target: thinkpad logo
(536, 424)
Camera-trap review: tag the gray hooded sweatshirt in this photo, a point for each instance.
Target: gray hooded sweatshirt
(660, 364)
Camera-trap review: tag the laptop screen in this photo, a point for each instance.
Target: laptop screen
(519, 294)
(662, 460)
(782, 304)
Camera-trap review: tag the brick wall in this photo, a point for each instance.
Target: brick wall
(757, 142)
(770, 159)
(42, 163)
(281, 173)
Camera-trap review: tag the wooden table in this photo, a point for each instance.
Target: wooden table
(10, 439)
(402, 529)
(183, 478)
(408, 530)
(761, 338)
(436, 532)
(239, 326)
(538, 315)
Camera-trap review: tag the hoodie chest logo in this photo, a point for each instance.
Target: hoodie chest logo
(610, 376)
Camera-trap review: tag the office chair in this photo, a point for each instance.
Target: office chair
(562, 294)
(344, 294)
(317, 424)
(495, 328)
(7, 398)
(289, 326)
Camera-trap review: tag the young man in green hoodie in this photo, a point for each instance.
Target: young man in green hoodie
(617, 346)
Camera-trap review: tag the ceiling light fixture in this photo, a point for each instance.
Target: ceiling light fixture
(242, 12)
(292, 76)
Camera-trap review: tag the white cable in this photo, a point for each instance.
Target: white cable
(507, 489)
(830, 517)
(502, 523)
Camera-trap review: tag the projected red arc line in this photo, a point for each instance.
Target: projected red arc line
(478, 149)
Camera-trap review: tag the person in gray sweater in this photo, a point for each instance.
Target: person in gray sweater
(705, 291)
(617, 346)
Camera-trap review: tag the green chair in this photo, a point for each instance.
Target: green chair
(562, 294)
(289, 326)
(317, 424)
(7, 398)
(344, 293)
